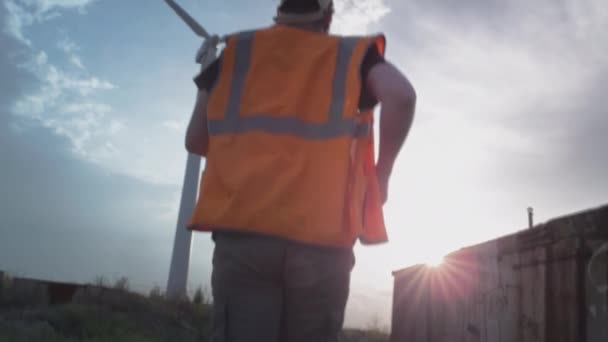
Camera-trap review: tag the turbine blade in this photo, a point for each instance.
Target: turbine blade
(193, 24)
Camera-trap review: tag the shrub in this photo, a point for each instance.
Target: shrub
(122, 284)
(199, 297)
(100, 281)
(156, 293)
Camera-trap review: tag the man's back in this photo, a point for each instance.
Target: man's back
(283, 116)
(291, 72)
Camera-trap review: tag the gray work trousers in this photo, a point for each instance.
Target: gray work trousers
(272, 290)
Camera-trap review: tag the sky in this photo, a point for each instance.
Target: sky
(95, 96)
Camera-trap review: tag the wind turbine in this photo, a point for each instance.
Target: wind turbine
(180, 259)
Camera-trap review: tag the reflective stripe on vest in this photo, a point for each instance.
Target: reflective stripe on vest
(336, 125)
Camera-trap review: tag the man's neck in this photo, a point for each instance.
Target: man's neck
(307, 27)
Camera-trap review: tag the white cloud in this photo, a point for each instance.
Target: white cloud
(488, 76)
(67, 102)
(68, 45)
(85, 86)
(172, 125)
(17, 19)
(24, 13)
(356, 17)
(43, 7)
(85, 107)
(83, 123)
(42, 58)
(504, 88)
(71, 48)
(75, 60)
(500, 92)
(56, 87)
(64, 102)
(115, 127)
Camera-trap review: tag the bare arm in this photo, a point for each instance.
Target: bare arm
(397, 98)
(197, 136)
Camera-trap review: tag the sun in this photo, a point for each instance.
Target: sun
(435, 261)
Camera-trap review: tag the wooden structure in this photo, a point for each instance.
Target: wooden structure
(545, 284)
(37, 291)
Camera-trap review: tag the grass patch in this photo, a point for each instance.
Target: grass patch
(98, 313)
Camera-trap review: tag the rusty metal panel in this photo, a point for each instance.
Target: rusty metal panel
(490, 277)
(596, 280)
(508, 298)
(410, 306)
(483, 299)
(447, 290)
(532, 300)
(562, 294)
(546, 284)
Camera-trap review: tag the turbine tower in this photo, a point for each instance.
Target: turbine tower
(177, 283)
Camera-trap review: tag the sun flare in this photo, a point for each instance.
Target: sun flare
(435, 261)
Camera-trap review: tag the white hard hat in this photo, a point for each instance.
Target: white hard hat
(297, 18)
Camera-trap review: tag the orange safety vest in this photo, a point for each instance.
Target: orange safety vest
(289, 154)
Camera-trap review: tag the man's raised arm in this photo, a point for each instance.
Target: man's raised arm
(197, 136)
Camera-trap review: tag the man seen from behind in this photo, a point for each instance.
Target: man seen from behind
(284, 120)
